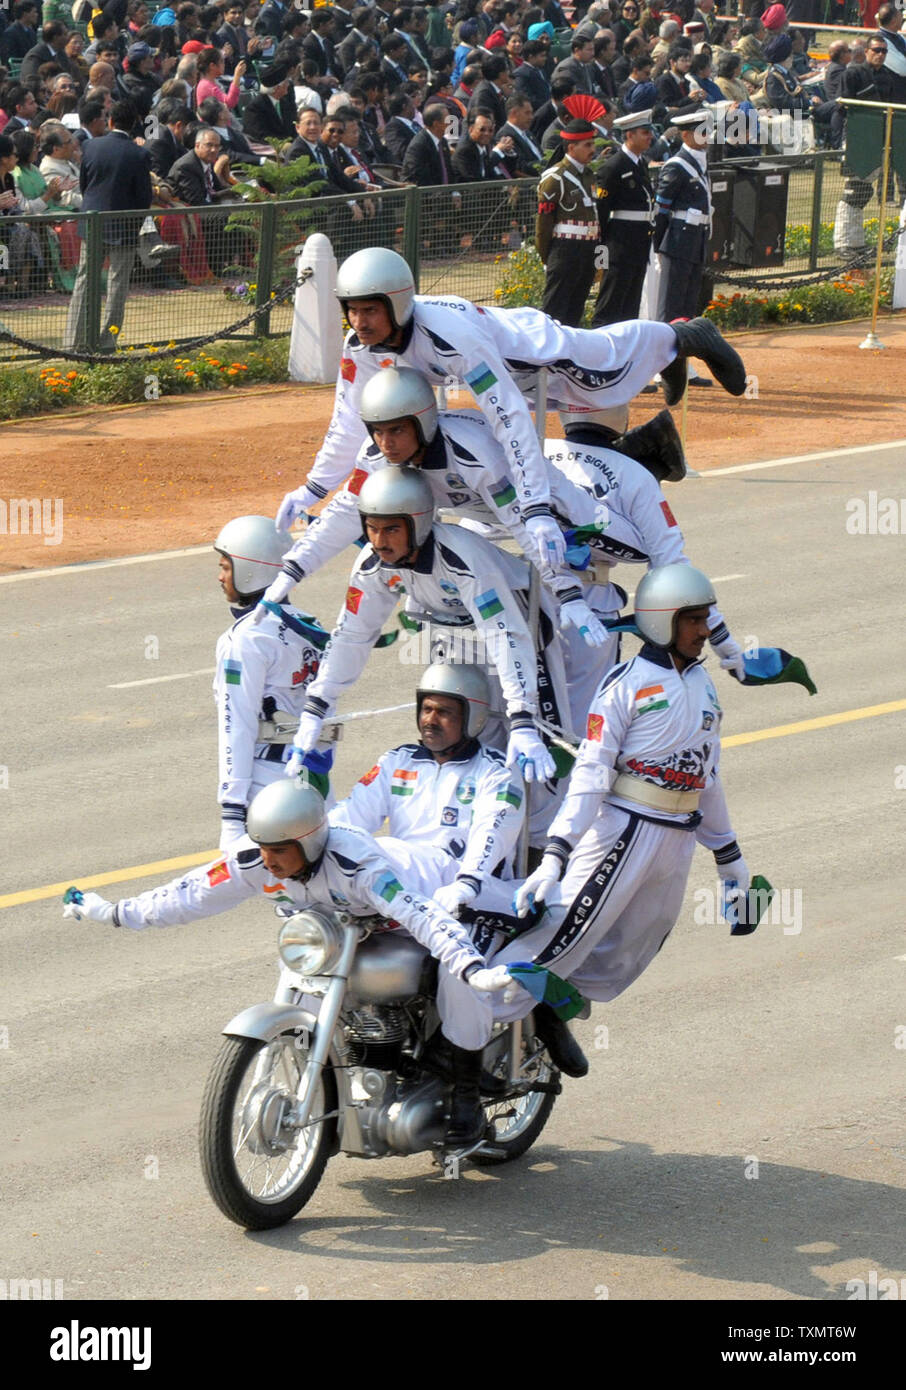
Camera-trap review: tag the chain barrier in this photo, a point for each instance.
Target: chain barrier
(183, 349)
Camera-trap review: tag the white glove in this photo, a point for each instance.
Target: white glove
(526, 751)
(306, 737)
(451, 896)
(576, 613)
(275, 592)
(537, 886)
(549, 540)
(93, 906)
(294, 505)
(737, 872)
(731, 657)
(493, 980)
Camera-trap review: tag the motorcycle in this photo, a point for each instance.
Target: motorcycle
(349, 1058)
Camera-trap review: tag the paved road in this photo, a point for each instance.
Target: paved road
(741, 1132)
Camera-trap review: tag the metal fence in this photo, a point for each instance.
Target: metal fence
(199, 271)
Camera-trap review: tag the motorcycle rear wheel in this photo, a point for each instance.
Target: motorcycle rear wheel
(258, 1173)
(518, 1120)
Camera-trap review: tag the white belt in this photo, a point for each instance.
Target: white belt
(630, 216)
(694, 216)
(577, 231)
(658, 798)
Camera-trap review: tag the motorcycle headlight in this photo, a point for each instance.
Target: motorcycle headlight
(309, 943)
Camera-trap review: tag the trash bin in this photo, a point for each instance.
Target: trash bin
(759, 214)
(720, 247)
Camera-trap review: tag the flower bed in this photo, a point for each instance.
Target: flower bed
(32, 391)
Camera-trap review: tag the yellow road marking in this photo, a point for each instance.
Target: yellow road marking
(804, 726)
(191, 861)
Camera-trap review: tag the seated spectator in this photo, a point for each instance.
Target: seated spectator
(102, 75)
(26, 262)
(750, 46)
(700, 79)
(272, 114)
(427, 161)
(215, 114)
(137, 82)
(60, 155)
(673, 88)
(106, 36)
(640, 93)
(73, 50)
(22, 35)
(401, 128)
(668, 32)
(781, 86)
(20, 106)
(729, 82)
(93, 118)
(210, 67)
(467, 83)
(173, 118)
(476, 157)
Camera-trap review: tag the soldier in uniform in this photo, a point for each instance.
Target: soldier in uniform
(566, 232)
(682, 224)
(626, 214)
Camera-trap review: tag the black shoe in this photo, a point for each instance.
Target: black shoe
(700, 381)
(657, 446)
(564, 1051)
(700, 338)
(467, 1122)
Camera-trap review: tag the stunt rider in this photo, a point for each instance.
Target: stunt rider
(644, 789)
(497, 354)
(292, 855)
(263, 671)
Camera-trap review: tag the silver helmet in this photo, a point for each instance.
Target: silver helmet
(402, 492)
(377, 273)
(398, 393)
(287, 811)
(256, 548)
(663, 593)
(467, 684)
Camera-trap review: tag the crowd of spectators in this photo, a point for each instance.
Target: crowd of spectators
(373, 96)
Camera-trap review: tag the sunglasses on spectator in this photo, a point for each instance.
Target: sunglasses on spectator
(877, 48)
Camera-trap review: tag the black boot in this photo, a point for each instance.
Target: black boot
(657, 446)
(700, 338)
(564, 1051)
(467, 1122)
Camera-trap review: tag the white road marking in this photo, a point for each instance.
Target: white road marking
(159, 680)
(803, 458)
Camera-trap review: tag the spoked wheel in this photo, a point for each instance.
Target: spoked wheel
(259, 1167)
(518, 1119)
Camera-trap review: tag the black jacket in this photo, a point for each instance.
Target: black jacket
(188, 182)
(469, 164)
(531, 82)
(422, 161)
(523, 164)
(397, 137)
(115, 174)
(262, 121)
(164, 152)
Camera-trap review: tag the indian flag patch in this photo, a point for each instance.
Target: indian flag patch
(387, 887)
(504, 493)
(651, 698)
(489, 604)
(403, 782)
(233, 672)
(481, 378)
(511, 795)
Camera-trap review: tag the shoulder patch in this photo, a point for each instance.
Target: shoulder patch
(460, 450)
(370, 563)
(249, 858)
(348, 866)
(494, 755)
(440, 343)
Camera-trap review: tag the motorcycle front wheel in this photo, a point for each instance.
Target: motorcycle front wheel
(260, 1169)
(518, 1119)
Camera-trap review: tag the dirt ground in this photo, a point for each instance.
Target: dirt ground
(168, 474)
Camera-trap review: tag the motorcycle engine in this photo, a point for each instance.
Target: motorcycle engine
(390, 1113)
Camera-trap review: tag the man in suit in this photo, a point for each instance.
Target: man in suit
(890, 26)
(319, 44)
(401, 129)
(167, 147)
(20, 104)
(393, 67)
(271, 114)
(578, 66)
(625, 214)
(199, 179)
(602, 81)
(474, 159)
(51, 49)
(673, 89)
(115, 175)
(492, 91)
(527, 156)
(530, 79)
(22, 34)
(361, 34)
(427, 159)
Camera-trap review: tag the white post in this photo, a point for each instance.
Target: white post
(899, 279)
(317, 332)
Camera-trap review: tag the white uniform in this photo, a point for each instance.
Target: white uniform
(355, 874)
(459, 581)
(633, 494)
(497, 353)
(260, 670)
(468, 806)
(626, 861)
(469, 474)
